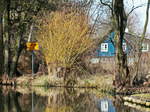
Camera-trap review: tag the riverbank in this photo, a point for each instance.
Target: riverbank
(103, 82)
(48, 91)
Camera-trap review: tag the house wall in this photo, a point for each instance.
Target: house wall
(111, 47)
(130, 41)
(105, 61)
(147, 43)
(110, 52)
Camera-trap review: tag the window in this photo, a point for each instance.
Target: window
(124, 47)
(145, 47)
(104, 47)
(94, 60)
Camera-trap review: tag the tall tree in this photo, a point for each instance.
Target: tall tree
(136, 77)
(1, 37)
(17, 18)
(6, 28)
(119, 23)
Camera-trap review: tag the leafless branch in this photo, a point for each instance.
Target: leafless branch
(94, 24)
(97, 7)
(109, 6)
(146, 21)
(133, 8)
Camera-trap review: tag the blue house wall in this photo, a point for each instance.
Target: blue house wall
(111, 47)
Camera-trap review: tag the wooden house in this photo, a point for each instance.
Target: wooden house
(105, 51)
(102, 58)
(130, 45)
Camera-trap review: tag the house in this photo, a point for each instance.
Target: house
(130, 45)
(106, 49)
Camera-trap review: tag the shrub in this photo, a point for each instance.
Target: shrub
(64, 37)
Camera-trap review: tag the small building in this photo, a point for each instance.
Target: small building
(105, 51)
(102, 58)
(107, 47)
(130, 45)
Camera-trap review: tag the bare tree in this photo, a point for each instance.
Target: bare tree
(136, 75)
(133, 24)
(6, 28)
(118, 24)
(1, 37)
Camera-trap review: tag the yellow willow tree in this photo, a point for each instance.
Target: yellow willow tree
(64, 36)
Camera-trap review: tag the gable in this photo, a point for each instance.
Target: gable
(107, 47)
(130, 45)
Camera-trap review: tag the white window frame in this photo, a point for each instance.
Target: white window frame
(124, 47)
(104, 47)
(145, 47)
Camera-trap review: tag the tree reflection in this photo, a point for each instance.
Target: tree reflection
(71, 101)
(1, 101)
(60, 100)
(15, 102)
(120, 107)
(9, 102)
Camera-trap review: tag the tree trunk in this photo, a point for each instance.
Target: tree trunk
(1, 45)
(14, 61)
(15, 58)
(119, 25)
(52, 69)
(6, 25)
(136, 76)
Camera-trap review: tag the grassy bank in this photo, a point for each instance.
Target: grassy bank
(102, 82)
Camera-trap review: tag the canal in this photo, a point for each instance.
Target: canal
(61, 100)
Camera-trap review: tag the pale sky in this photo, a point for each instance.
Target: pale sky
(141, 12)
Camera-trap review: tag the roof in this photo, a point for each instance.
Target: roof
(134, 40)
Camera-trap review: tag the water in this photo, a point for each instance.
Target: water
(60, 100)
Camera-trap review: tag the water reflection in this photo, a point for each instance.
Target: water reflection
(106, 105)
(32, 101)
(60, 100)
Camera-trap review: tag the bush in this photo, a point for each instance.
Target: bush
(64, 37)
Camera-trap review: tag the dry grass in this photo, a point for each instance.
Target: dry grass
(101, 82)
(46, 80)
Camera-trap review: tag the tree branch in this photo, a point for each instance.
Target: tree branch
(133, 8)
(146, 21)
(109, 6)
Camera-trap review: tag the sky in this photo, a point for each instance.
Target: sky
(141, 12)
